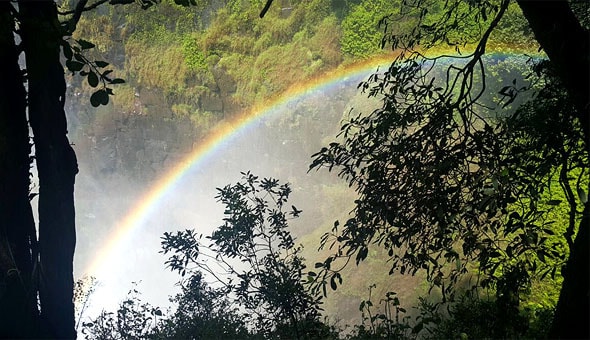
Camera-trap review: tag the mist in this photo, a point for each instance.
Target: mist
(278, 145)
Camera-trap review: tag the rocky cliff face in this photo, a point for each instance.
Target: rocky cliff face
(137, 145)
(145, 140)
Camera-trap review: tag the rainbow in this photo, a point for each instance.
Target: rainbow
(150, 201)
(223, 133)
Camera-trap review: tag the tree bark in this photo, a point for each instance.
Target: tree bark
(18, 298)
(566, 43)
(56, 166)
(573, 308)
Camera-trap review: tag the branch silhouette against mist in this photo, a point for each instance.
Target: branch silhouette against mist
(444, 181)
(254, 257)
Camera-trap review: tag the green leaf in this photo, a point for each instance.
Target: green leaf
(85, 45)
(92, 79)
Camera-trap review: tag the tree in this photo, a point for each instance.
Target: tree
(133, 319)
(17, 227)
(254, 258)
(444, 181)
(40, 271)
(56, 165)
(203, 312)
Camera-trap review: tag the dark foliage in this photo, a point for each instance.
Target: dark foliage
(448, 184)
(254, 258)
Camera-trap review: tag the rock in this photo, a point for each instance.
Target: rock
(226, 84)
(211, 102)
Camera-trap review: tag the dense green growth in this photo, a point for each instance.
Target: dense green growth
(203, 55)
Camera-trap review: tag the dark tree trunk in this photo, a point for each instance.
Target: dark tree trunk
(567, 43)
(56, 165)
(572, 312)
(18, 297)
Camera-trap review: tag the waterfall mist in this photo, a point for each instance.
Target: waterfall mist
(278, 145)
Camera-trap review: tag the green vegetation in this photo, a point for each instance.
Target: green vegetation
(361, 30)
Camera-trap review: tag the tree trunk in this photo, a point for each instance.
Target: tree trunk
(18, 298)
(56, 165)
(573, 308)
(567, 43)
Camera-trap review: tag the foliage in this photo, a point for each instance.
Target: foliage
(446, 184)
(202, 312)
(134, 319)
(361, 32)
(221, 36)
(83, 290)
(387, 324)
(254, 258)
(92, 70)
(479, 318)
(296, 45)
(194, 58)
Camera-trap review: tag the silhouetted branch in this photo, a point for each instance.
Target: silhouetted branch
(266, 7)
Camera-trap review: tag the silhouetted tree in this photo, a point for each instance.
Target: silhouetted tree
(17, 227)
(444, 181)
(40, 272)
(254, 257)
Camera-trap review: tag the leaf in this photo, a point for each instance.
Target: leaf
(67, 49)
(80, 58)
(85, 45)
(117, 81)
(554, 202)
(92, 79)
(73, 65)
(418, 327)
(98, 98)
(100, 63)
